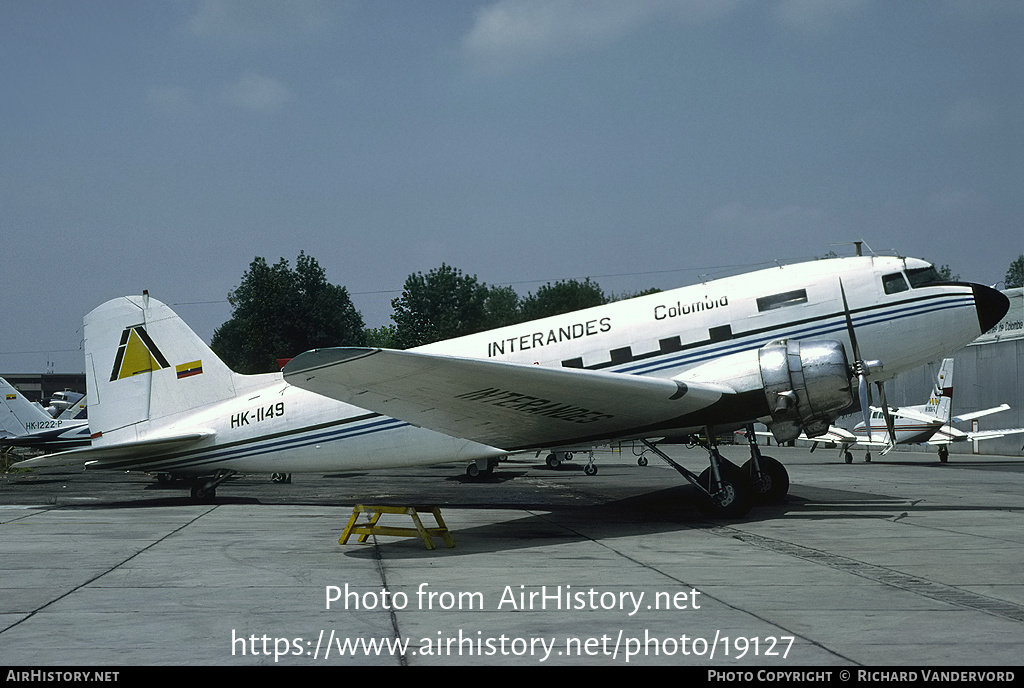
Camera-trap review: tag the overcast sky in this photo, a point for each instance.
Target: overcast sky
(164, 145)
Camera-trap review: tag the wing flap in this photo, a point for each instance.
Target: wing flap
(505, 405)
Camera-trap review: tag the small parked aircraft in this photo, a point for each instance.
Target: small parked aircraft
(929, 423)
(29, 425)
(782, 346)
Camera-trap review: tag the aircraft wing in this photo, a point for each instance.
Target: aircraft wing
(911, 414)
(979, 414)
(127, 455)
(834, 434)
(506, 405)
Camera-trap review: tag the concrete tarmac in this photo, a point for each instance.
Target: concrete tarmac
(900, 562)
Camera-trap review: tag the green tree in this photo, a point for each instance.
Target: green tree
(278, 313)
(561, 297)
(442, 304)
(382, 337)
(1015, 274)
(502, 307)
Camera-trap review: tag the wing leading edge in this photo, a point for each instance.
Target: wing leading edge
(506, 405)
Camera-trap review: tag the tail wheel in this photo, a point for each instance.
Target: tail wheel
(202, 491)
(730, 498)
(772, 485)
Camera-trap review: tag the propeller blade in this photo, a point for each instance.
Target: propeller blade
(860, 368)
(849, 327)
(888, 417)
(864, 391)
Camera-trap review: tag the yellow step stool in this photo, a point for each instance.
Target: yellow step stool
(371, 528)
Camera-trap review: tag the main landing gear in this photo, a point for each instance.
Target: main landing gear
(728, 490)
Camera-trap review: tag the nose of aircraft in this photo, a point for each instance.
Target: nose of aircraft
(992, 305)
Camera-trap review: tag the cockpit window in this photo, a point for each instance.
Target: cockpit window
(922, 277)
(894, 283)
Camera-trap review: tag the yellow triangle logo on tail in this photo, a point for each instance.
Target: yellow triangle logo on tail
(136, 354)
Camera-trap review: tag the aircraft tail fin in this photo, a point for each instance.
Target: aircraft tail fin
(940, 403)
(76, 411)
(18, 415)
(146, 369)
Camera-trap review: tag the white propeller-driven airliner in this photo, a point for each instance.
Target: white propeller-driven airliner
(787, 346)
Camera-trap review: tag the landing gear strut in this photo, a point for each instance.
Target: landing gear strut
(725, 492)
(768, 477)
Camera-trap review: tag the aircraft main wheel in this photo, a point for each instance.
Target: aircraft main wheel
(732, 500)
(590, 469)
(773, 483)
(472, 470)
(943, 455)
(552, 461)
(848, 457)
(867, 458)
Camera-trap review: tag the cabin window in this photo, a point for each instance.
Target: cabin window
(789, 298)
(894, 283)
(922, 277)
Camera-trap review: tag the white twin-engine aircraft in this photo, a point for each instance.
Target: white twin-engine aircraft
(928, 423)
(779, 346)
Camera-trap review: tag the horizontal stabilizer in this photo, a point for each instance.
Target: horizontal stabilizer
(505, 405)
(127, 455)
(979, 414)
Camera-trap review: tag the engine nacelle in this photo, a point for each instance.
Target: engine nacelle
(807, 384)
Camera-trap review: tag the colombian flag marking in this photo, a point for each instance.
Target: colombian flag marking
(189, 369)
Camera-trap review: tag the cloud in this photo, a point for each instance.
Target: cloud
(511, 34)
(257, 93)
